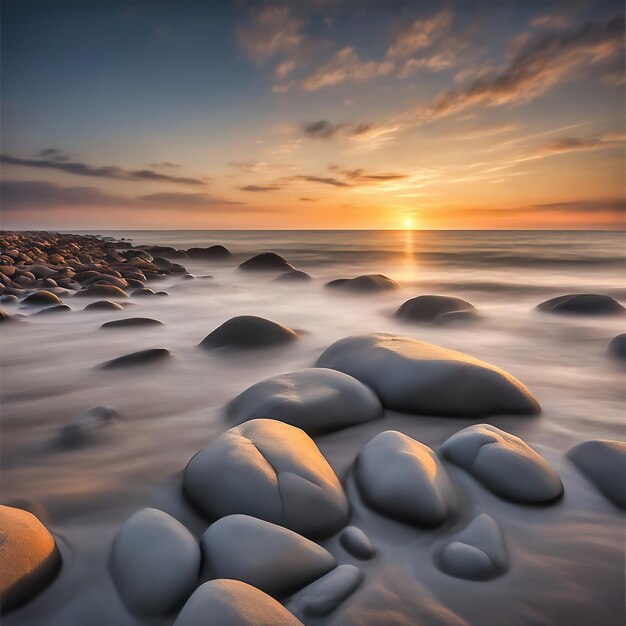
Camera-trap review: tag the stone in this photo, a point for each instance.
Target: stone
(9, 298)
(293, 276)
(617, 347)
(248, 331)
(582, 304)
(357, 543)
(132, 322)
(57, 308)
(143, 291)
(101, 291)
(103, 305)
(82, 429)
(41, 297)
(370, 283)
(266, 262)
(210, 253)
(431, 308)
(142, 357)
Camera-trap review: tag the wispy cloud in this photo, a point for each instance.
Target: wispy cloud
(261, 188)
(419, 34)
(323, 129)
(581, 144)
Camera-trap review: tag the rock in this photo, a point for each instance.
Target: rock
(456, 317)
(9, 298)
(324, 595)
(248, 331)
(41, 297)
(210, 253)
(29, 557)
(293, 276)
(142, 357)
(504, 464)
(269, 470)
(82, 428)
(4, 316)
(402, 478)
(477, 553)
(317, 400)
(430, 308)
(266, 262)
(369, 283)
(103, 305)
(57, 308)
(132, 322)
(177, 255)
(143, 291)
(357, 543)
(421, 378)
(617, 346)
(155, 563)
(101, 291)
(271, 558)
(582, 304)
(233, 603)
(603, 462)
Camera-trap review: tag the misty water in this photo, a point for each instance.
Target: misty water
(567, 561)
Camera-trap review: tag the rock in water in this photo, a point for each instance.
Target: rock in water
(266, 262)
(57, 308)
(317, 400)
(84, 428)
(370, 283)
(41, 297)
(582, 304)
(269, 470)
(431, 308)
(132, 322)
(4, 316)
(103, 305)
(402, 478)
(269, 557)
(142, 357)
(29, 557)
(357, 543)
(293, 276)
(504, 464)
(155, 563)
(248, 331)
(604, 464)
(101, 291)
(617, 347)
(210, 254)
(233, 603)
(421, 378)
(477, 553)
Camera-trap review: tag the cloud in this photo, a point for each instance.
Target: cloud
(360, 176)
(420, 34)
(323, 129)
(580, 144)
(165, 164)
(106, 171)
(601, 205)
(260, 188)
(324, 180)
(53, 155)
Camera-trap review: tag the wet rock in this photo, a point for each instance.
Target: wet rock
(28, 554)
(155, 563)
(370, 283)
(4, 316)
(421, 378)
(317, 400)
(266, 262)
(357, 543)
(143, 291)
(9, 298)
(293, 276)
(142, 357)
(402, 478)
(212, 253)
(603, 462)
(504, 464)
(132, 322)
(57, 308)
(41, 297)
(104, 305)
(268, 470)
(431, 308)
(248, 331)
(271, 558)
(456, 317)
(617, 347)
(82, 429)
(582, 304)
(101, 291)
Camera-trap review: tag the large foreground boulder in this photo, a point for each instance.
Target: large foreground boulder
(421, 378)
(604, 464)
(369, 283)
(248, 331)
(233, 603)
(155, 563)
(269, 470)
(582, 304)
(317, 400)
(402, 478)
(432, 308)
(504, 464)
(269, 557)
(28, 555)
(266, 262)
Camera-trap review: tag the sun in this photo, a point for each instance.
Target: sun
(408, 223)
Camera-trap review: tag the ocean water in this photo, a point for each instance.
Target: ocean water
(49, 375)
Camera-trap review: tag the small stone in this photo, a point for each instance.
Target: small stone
(142, 357)
(357, 543)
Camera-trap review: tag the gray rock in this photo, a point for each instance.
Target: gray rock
(421, 378)
(293, 276)
(271, 558)
(357, 543)
(103, 305)
(132, 322)
(269, 470)
(504, 464)
(41, 297)
(317, 400)
(248, 331)
(155, 563)
(617, 347)
(429, 308)
(456, 317)
(57, 308)
(370, 283)
(266, 262)
(211, 253)
(402, 478)
(582, 304)
(142, 357)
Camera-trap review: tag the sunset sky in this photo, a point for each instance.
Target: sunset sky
(312, 114)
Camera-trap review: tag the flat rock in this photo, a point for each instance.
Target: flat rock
(617, 347)
(402, 478)
(233, 603)
(582, 304)
(271, 558)
(476, 553)
(430, 308)
(369, 283)
(317, 400)
(29, 557)
(266, 262)
(504, 464)
(603, 462)
(424, 379)
(41, 297)
(155, 563)
(142, 357)
(293, 276)
(132, 322)
(104, 305)
(269, 470)
(357, 543)
(101, 291)
(248, 331)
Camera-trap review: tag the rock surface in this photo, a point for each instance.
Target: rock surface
(369, 283)
(101, 291)
(402, 478)
(57, 308)
(142, 357)
(617, 347)
(293, 276)
(271, 558)
(269, 470)
(582, 304)
(317, 400)
(41, 297)
(132, 322)
(248, 331)
(266, 262)
(431, 308)
(155, 563)
(357, 543)
(504, 464)
(210, 254)
(103, 305)
(421, 378)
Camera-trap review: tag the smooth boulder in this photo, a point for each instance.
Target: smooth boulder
(617, 347)
(504, 464)
(582, 304)
(317, 400)
(293, 276)
(132, 322)
(424, 379)
(266, 262)
(431, 308)
(101, 291)
(41, 297)
(369, 283)
(212, 253)
(141, 357)
(357, 543)
(248, 331)
(103, 305)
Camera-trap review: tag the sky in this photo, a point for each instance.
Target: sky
(320, 114)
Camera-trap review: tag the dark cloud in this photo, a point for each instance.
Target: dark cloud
(324, 180)
(361, 176)
(323, 129)
(53, 155)
(607, 205)
(261, 188)
(579, 144)
(165, 164)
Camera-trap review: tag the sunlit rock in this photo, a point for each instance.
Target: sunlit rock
(41, 297)
(431, 308)
(101, 291)
(369, 283)
(103, 305)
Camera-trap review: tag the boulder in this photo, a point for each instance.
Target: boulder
(83, 429)
(57, 308)
(142, 357)
(41, 297)
(421, 378)
(248, 331)
(357, 543)
(101, 291)
(617, 347)
(212, 253)
(132, 322)
(269, 470)
(271, 558)
(293, 276)
(103, 305)
(370, 283)
(4, 316)
(402, 478)
(504, 464)
(431, 308)
(317, 400)
(155, 563)
(9, 298)
(266, 262)
(582, 304)
(143, 291)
